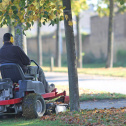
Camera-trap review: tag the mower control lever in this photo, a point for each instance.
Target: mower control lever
(36, 65)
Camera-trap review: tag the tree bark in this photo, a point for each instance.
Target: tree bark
(39, 43)
(71, 59)
(79, 44)
(9, 29)
(20, 39)
(58, 52)
(109, 62)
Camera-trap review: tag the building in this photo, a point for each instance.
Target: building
(96, 42)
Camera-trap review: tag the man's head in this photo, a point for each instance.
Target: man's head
(8, 37)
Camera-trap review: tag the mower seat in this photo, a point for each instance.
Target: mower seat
(14, 72)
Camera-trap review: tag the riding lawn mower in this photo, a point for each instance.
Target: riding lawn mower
(21, 93)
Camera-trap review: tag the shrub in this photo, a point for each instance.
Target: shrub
(90, 58)
(121, 57)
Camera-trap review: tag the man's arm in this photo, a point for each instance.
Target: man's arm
(23, 57)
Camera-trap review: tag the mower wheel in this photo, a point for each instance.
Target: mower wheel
(33, 106)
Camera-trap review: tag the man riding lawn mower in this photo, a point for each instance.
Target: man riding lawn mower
(23, 88)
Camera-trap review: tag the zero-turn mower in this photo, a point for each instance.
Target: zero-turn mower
(20, 93)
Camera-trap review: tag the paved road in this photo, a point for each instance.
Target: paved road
(101, 83)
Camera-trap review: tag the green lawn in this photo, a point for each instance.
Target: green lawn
(93, 69)
(115, 72)
(101, 96)
(20, 121)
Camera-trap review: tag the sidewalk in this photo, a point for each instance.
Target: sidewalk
(101, 104)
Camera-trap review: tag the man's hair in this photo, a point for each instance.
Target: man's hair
(7, 37)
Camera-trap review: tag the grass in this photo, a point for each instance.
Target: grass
(85, 117)
(89, 94)
(96, 117)
(115, 72)
(20, 121)
(101, 96)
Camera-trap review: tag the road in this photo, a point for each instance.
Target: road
(101, 83)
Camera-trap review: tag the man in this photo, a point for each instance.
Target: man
(14, 54)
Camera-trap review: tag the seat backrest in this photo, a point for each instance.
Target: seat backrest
(12, 71)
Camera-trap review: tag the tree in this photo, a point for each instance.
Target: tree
(9, 29)
(77, 7)
(71, 58)
(39, 44)
(79, 43)
(14, 12)
(39, 40)
(109, 62)
(58, 52)
(109, 11)
(19, 36)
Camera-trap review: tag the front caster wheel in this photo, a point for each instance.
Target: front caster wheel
(33, 106)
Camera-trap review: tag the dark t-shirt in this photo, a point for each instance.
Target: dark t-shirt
(13, 54)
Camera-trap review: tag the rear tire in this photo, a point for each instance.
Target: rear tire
(33, 106)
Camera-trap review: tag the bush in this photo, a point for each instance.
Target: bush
(46, 59)
(121, 57)
(32, 56)
(64, 60)
(90, 58)
(45, 56)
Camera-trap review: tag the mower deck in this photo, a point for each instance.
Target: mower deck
(47, 96)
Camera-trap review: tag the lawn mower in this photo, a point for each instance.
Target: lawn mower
(21, 93)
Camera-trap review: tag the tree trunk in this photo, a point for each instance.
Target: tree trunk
(79, 44)
(58, 52)
(9, 29)
(25, 44)
(71, 59)
(109, 62)
(20, 39)
(39, 43)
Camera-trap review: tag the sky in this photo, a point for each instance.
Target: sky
(92, 1)
(95, 3)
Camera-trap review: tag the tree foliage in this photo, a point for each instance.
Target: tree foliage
(119, 6)
(122, 2)
(13, 12)
(78, 6)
